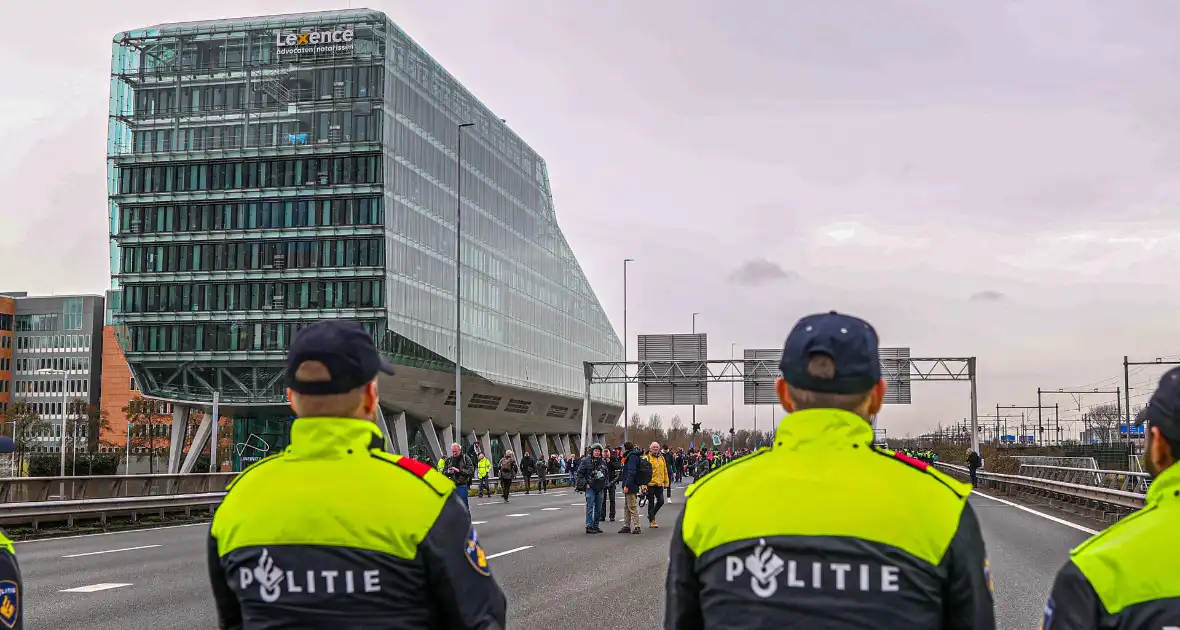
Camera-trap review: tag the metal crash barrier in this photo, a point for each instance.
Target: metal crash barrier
(132, 497)
(32, 489)
(1089, 499)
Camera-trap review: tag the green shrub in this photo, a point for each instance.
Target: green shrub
(49, 465)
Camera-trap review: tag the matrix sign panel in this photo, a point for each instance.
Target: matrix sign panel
(760, 371)
(895, 369)
(672, 369)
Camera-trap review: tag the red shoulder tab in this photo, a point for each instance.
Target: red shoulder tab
(916, 463)
(415, 467)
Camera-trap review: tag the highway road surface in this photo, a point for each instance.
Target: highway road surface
(553, 573)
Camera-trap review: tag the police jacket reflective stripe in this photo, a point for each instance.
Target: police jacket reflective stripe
(12, 609)
(823, 532)
(334, 533)
(1128, 576)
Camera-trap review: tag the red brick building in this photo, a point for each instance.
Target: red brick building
(7, 317)
(118, 388)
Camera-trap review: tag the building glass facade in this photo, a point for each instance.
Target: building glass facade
(56, 358)
(270, 172)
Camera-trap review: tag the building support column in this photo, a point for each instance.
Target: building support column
(579, 447)
(401, 438)
(176, 441)
(486, 444)
(506, 444)
(516, 446)
(447, 434)
(536, 444)
(431, 433)
(386, 433)
(202, 435)
(563, 442)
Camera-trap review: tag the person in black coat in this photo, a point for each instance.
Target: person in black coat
(615, 465)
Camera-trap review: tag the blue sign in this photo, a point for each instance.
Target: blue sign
(1007, 438)
(1134, 430)
(297, 138)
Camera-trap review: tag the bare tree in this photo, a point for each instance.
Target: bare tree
(655, 423)
(637, 422)
(1103, 421)
(147, 428)
(677, 432)
(27, 426)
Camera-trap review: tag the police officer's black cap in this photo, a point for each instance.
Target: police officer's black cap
(1163, 410)
(345, 348)
(849, 341)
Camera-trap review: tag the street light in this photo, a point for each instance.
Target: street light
(626, 416)
(732, 432)
(459, 280)
(694, 331)
(64, 404)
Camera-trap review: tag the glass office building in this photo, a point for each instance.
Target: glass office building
(269, 172)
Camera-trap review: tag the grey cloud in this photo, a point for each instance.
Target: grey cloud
(988, 296)
(760, 271)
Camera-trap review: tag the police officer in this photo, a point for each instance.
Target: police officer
(335, 533)
(1126, 577)
(11, 588)
(821, 530)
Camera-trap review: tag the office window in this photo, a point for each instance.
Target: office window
(72, 314)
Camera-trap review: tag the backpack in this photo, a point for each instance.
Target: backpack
(506, 469)
(643, 471)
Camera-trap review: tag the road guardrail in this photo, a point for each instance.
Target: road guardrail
(35, 514)
(1095, 501)
(52, 510)
(37, 489)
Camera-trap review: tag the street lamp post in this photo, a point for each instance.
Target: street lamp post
(694, 331)
(127, 457)
(459, 280)
(64, 404)
(626, 394)
(732, 412)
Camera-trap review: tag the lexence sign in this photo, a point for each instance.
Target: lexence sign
(291, 43)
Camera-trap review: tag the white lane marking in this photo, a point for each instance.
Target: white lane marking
(577, 504)
(478, 522)
(94, 588)
(127, 531)
(517, 515)
(98, 553)
(1062, 521)
(504, 553)
(549, 509)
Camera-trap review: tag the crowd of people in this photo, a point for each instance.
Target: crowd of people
(601, 474)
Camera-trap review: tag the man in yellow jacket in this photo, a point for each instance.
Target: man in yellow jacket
(660, 483)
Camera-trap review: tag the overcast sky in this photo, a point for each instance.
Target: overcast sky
(992, 179)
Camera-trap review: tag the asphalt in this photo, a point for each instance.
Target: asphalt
(553, 573)
(1025, 551)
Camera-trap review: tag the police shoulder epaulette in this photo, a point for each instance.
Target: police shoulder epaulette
(733, 465)
(269, 458)
(959, 488)
(436, 480)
